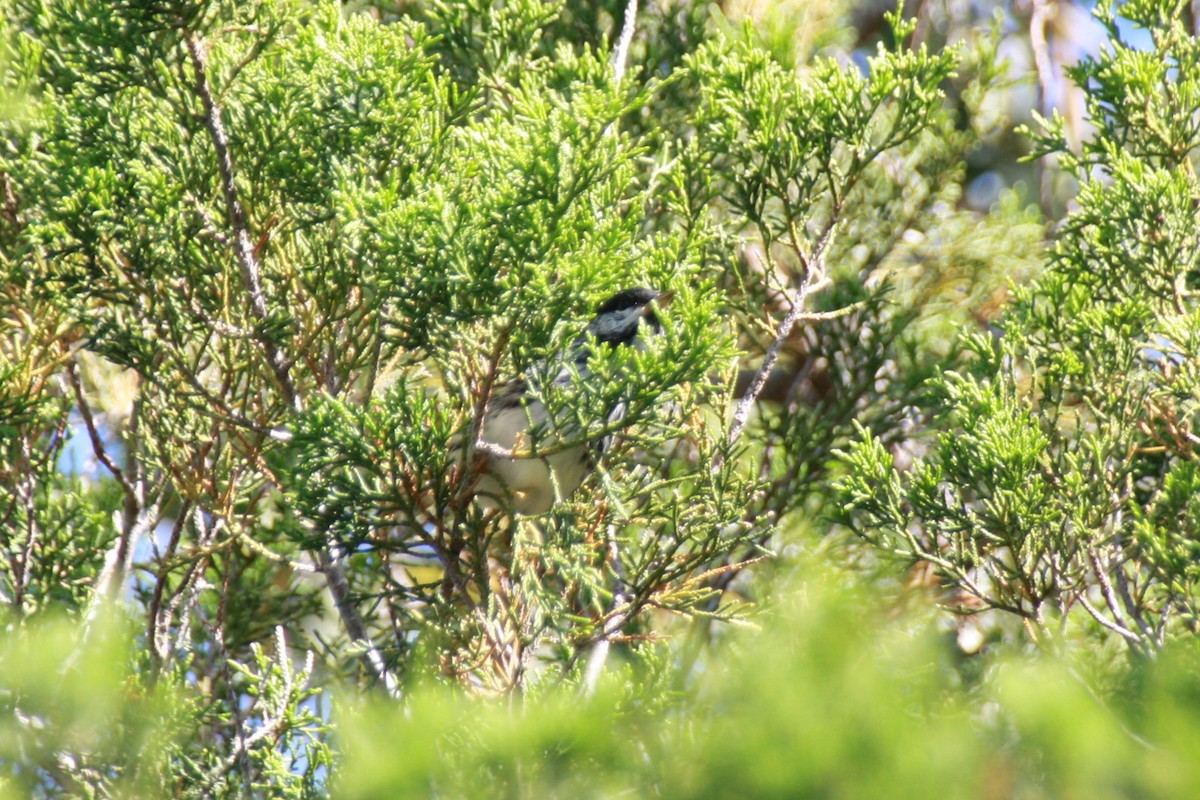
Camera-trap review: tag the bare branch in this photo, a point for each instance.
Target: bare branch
(621, 54)
(814, 280)
(247, 256)
(154, 633)
(89, 422)
(1129, 636)
(339, 588)
(1045, 83)
(624, 607)
(25, 490)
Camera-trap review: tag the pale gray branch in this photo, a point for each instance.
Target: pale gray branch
(339, 588)
(247, 257)
(621, 54)
(236, 213)
(814, 281)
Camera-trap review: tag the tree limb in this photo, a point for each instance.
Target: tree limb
(236, 213)
(339, 588)
(814, 280)
(329, 557)
(621, 54)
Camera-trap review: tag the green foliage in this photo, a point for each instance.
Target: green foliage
(266, 266)
(832, 699)
(81, 721)
(797, 145)
(1056, 482)
(78, 720)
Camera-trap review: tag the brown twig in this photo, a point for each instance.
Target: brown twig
(153, 633)
(89, 422)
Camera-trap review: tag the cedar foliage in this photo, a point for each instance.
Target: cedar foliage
(267, 262)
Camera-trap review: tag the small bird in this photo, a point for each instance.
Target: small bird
(515, 418)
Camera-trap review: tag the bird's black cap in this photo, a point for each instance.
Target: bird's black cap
(630, 298)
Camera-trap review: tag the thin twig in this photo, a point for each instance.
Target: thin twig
(274, 719)
(210, 227)
(476, 442)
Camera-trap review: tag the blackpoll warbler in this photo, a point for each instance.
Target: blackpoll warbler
(533, 460)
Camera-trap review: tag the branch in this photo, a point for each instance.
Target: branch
(1134, 641)
(599, 654)
(624, 607)
(339, 588)
(476, 442)
(252, 278)
(25, 491)
(814, 280)
(1046, 80)
(89, 422)
(243, 244)
(154, 634)
(1132, 608)
(274, 719)
(137, 520)
(621, 54)
(116, 566)
(1110, 598)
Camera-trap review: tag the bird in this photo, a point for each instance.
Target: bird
(515, 418)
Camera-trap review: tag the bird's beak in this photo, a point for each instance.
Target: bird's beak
(662, 301)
